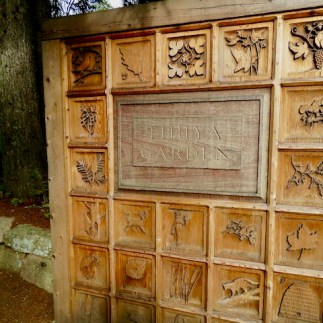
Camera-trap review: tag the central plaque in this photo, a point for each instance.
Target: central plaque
(209, 142)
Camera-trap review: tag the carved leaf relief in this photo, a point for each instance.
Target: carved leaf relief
(133, 62)
(243, 231)
(88, 118)
(313, 113)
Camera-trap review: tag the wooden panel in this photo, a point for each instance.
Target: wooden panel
(184, 282)
(185, 228)
(89, 170)
(297, 299)
(88, 120)
(165, 13)
(194, 144)
(86, 66)
(301, 115)
(300, 178)
(238, 291)
(186, 57)
(246, 52)
(240, 234)
(303, 50)
(135, 224)
(171, 316)
(133, 62)
(128, 312)
(299, 240)
(91, 308)
(135, 274)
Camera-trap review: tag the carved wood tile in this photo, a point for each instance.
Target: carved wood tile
(90, 219)
(133, 62)
(238, 291)
(89, 170)
(300, 178)
(184, 282)
(186, 57)
(299, 240)
(135, 274)
(88, 120)
(297, 299)
(245, 52)
(134, 312)
(134, 224)
(91, 308)
(303, 48)
(86, 66)
(185, 228)
(172, 316)
(240, 234)
(91, 266)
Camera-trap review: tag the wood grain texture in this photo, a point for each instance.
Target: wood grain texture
(165, 13)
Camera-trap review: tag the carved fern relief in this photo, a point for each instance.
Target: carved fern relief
(242, 230)
(313, 113)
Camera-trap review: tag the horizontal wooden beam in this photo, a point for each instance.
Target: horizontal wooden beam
(165, 13)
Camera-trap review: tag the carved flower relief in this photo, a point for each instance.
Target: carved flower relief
(186, 57)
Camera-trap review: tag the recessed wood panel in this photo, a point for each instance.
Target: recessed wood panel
(129, 312)
(90, 308)
(185, 228)
(133, 62)
(135, 224)
(300, 178)
(186, 57)
(90, 219)
(89, 169)
(135, 274)
(299, 239)
(194, 144)
(240, 234)
(172, 316)
(297, 299)
(91, 266)
(246, 52)
(88, 120)
(238, 291)
(86, 66)
(184, 282)
(302, 115)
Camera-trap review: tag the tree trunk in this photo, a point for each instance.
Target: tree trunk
(21, 96)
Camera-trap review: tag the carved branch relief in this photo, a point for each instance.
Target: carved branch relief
(310, 173)
(88, 266)
(92, 220)
(310, 40)
(313, 113)
(242, 230)
(246, 47)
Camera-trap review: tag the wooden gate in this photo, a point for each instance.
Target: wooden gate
(185, 145)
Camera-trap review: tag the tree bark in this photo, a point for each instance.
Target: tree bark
(21, 96)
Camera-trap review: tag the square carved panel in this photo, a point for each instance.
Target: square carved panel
(186, 57)
(135, 224)
(86, 66)
(185, 228)
(302, 115)
(299, 239)
(89, 170)
(300, 178)
(90, 219)
(238, 291)
(133, 62)
(87, 119)
(90, 308)
(184, 282)
(91, 266)
(303, 48)
(297, 299)
(245, 52)
(178, 316)
(135, 274)
(240, 234)
(129, 312)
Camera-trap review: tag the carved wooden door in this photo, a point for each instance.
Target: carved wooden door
(194, 171)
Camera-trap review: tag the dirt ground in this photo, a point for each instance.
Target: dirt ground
(20, 301)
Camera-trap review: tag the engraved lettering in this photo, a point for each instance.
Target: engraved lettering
(213, 133)
(146, 152)
(161, 153)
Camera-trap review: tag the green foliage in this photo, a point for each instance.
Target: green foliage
(16, 201)
(127, 3)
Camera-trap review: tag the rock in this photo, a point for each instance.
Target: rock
(29, 239)
(5, 225)
(11, 260)
(38, 271)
